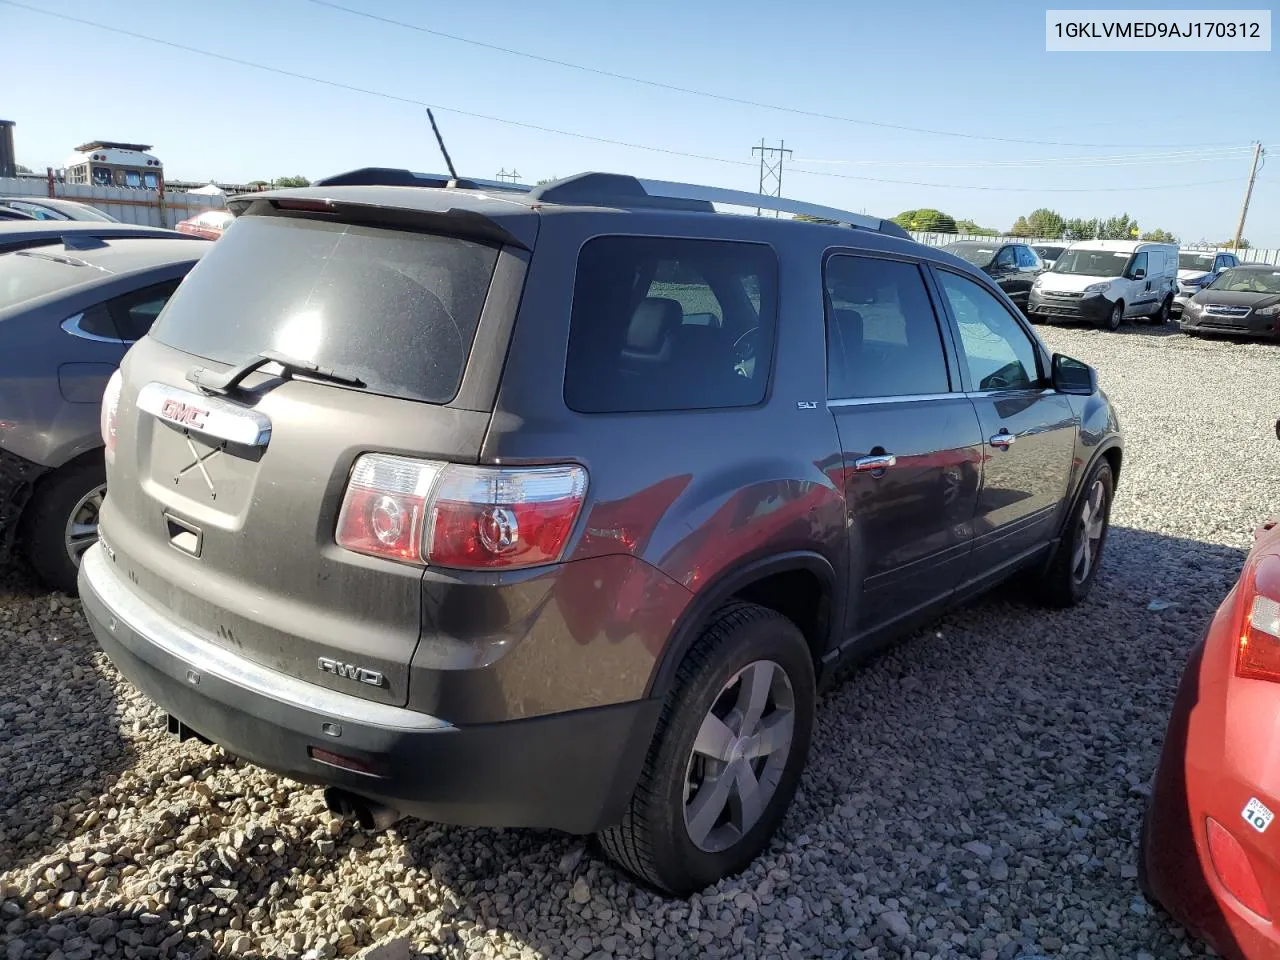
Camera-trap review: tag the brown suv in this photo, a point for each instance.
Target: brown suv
(555, 507)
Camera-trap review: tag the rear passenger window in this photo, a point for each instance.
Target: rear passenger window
(661, 323)
(882, 334)
(96, 321)
(135, 312)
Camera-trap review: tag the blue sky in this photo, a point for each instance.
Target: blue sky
(978, 69)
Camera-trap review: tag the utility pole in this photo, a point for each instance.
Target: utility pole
(771, 160)
(1248, 193)
(512, 177)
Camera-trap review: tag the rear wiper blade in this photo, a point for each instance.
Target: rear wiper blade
(228, 380)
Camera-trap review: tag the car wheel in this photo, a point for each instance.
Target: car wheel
(1074, 567)
(61, 522)
(726, 757)
(1162, 315)
(1115, 317)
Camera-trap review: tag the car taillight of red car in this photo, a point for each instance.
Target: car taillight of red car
(1259, 654)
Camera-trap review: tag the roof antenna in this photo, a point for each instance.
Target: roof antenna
(440, 140)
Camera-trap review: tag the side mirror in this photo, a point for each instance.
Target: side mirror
(1139, 274)
(1073, 376)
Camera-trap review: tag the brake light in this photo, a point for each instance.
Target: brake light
(483, 517)
(107, 416)
(1259, 654)
(384, 511)
(463, 517)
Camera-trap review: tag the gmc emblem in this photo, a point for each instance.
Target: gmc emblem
(183, 413)
(350, 671)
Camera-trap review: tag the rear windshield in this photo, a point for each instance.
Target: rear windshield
(25, 275)
(398, 310)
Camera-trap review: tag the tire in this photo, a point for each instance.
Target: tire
(47, 521)
(1113, 320)
(1061, 584)
(1161, 316)
(655, 842)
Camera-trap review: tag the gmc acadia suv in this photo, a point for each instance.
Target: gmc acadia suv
(555, 507)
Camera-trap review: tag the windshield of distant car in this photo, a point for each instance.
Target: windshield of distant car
(25, 275)
(1196, 261)
(979, 254)
(1237, 280)
(1092, 263)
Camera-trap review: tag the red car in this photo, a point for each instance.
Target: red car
(209, 224)
(1210, 849)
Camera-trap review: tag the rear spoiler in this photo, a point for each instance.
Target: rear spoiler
(454, 222)
(394, 177)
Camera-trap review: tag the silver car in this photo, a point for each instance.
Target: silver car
(68, 312)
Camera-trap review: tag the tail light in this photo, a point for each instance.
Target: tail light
(463, 517)
(1259, 654)
(107, 416)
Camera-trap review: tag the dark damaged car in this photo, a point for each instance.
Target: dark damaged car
(556, 508)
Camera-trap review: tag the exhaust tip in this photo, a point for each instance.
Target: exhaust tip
(367, 814)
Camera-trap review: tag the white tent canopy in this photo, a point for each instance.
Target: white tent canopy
(210, 190)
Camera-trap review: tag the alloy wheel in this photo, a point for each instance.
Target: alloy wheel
(1092, 525)
(82, 523)
(739, 756)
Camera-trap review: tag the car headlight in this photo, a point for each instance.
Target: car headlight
(1192, 306)
(1035, 285)
(1097, 288)
(1268, 311)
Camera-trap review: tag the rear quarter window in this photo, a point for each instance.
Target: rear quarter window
(662, 323)
(394, 308)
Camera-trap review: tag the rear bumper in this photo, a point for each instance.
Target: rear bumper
(1091, 309)
(568, 771)
(1216, 757)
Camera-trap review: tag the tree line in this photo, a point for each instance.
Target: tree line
(1041, 223)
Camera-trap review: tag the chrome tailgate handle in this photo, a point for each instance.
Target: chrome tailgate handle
(1003, 440)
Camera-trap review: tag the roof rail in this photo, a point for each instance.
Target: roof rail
(609, 189)
(396, 177)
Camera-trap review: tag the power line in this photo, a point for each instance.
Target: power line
(725, 98)
(413, 101)
(1135, 159)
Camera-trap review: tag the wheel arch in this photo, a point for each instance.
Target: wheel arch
(801, 585)
(1113, 453)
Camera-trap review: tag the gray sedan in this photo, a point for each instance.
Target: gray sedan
(68, 313)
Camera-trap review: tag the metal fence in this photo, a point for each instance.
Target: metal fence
(1250, 255)
(142, 207)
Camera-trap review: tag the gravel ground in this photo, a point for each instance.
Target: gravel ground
(974, 793)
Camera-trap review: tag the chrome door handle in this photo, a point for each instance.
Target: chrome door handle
(1003, 440)
(881, 462)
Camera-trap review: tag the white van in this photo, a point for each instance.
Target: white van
(1108, 281)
